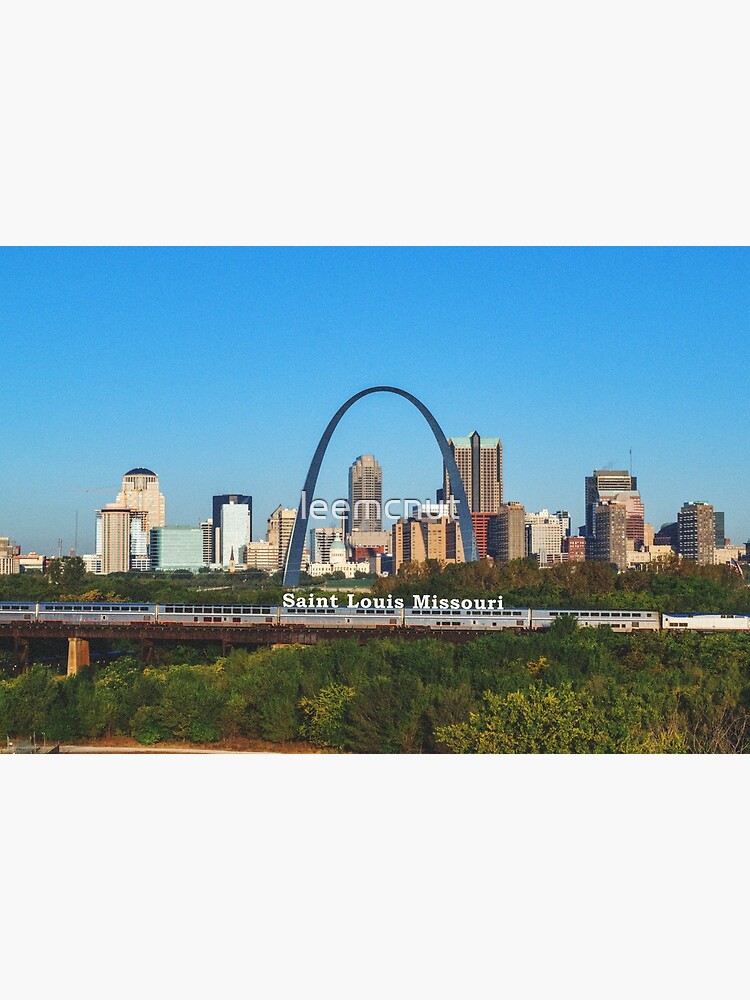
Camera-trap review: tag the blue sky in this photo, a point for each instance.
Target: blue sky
(219, 369)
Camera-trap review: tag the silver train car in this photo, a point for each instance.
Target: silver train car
(621, 621)
(215, 614)
(18, 611)
(476, 619)
(341, 617)
(52, 611)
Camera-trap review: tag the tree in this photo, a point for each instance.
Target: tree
(54, 572)
(73, 571)
(324, 716)
(540, 720)
(67, 573)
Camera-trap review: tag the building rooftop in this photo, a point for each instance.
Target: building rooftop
(465, 442)
(140, 472)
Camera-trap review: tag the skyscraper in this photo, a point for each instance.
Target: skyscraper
(544, 535)
(506, 539)
(139, 540)
(280, 528)
(603, 484)
(365, 495)
(696, 526)
(616, 486)
(232, 526)
(719, 523)
(416, 539)
(140, 491)
(610, 535)
(207, 527)
(115, 538)
(480, 464)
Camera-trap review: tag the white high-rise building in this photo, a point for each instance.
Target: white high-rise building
(544, 534)
(235, 531)
(139, 541)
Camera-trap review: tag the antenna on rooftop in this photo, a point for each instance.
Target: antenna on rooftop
(631, 461)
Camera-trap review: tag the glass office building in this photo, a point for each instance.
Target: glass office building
(232, 526)
(176, 547)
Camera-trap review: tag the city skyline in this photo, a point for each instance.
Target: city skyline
(124, 542)
(332, 521)
(572, 357)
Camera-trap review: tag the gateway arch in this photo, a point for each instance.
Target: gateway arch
(297, 543)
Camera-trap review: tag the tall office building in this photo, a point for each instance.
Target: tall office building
(634, 517)
(365, 495)
(609, 543)
(207, 528)
(176, 547)
(139, 541)
(480, 465)
(544, 535)
(564, 518)
(506, 538)
(482, 521)
(720, 529)
(416, 539)
(280, 528)
(232, 526)
(696, 526)
(114, 521)
(140, 491)
(616, 486)
(321, 540)
(603, 484)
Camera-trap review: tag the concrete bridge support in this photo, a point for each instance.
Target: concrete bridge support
(78, 655)
(21, 651)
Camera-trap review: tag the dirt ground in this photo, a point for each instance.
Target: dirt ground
(242, 744)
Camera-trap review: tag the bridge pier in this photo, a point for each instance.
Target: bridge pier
(78, 655)
(147, 651)
(21, 650)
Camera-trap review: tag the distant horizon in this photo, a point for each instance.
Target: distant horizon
(219, 368)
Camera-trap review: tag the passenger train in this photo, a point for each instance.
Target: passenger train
(358, 616)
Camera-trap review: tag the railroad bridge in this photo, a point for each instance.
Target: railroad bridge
(148, 634)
